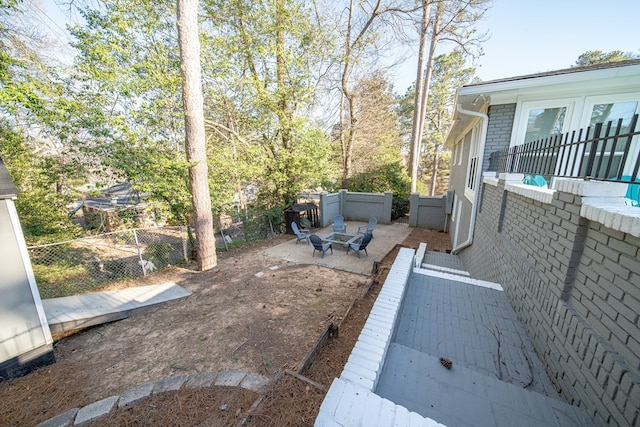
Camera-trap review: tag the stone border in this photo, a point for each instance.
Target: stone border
(87, 414)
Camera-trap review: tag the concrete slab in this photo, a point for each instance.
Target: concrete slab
(495, 377)
(457, 320)
(385, 237)
(81, 311)
(445, 262)
(422, 385)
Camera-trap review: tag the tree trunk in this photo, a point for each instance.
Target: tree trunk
(418, 109)
(346, 102)
(425, 95)
(348, 95)
(434, 170)
(195, 142)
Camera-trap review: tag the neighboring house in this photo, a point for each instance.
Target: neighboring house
(567, 255)
(25, 338)
(107, 210)
(498, 114)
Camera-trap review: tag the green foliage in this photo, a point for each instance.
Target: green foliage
(158, 253)
(593, 57)
(42, 210)
(377, 139)
(294, 170)
(254, 224)
(262, 86)
(158, 172)
(389, 177)
(58, 269)
(129, 59)
(9, 4)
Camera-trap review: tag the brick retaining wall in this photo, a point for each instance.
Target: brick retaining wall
(574, 282)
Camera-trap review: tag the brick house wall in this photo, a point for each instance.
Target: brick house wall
(498, 130)
(572, 272)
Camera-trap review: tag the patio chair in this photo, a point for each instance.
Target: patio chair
(362, 246)
(633, 191)
(300, 234)
(316, 241)
(368, 228)
(537, 180)
(338, 224)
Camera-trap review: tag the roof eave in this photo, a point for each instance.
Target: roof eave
(8, 189)
(626, 68)
(462, 122)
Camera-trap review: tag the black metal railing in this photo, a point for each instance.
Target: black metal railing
(606, 152)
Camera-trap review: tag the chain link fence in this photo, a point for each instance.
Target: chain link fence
(235, 228)
(91, 263)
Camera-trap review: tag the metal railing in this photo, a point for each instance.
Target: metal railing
(606, 152)
(91, 263)
(94, 263)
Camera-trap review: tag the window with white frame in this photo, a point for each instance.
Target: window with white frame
(541, 119)
(457, 154)
(604, 109)
(544, 122)
(618, 111)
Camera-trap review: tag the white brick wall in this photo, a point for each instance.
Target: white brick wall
(350, 400)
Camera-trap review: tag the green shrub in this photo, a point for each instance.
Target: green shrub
(158, 253)
(389, 177)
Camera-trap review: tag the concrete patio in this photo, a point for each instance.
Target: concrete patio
(385, 237)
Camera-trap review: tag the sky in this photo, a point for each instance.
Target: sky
(528, 37)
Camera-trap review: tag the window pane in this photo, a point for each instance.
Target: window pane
(544, 122)
(603, 113)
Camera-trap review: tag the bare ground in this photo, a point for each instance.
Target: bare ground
(234, 320)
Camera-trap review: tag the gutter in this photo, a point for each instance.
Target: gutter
(472, 223)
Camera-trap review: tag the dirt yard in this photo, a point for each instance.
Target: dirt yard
(234, 320)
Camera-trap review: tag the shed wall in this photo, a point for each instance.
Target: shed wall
(25, 340)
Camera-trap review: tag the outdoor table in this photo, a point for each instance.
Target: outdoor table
(342, 239)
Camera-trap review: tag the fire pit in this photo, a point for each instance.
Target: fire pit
(342, 239)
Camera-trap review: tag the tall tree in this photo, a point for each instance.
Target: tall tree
(195, 142)
(275, 55)
(363, 31)
(449, 72)
(375, 107)
(128, 70)
(33, 107)
(421, 88)
(451, 21)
